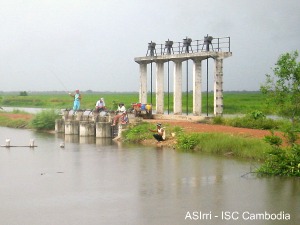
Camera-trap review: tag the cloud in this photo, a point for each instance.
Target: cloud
(91, 45)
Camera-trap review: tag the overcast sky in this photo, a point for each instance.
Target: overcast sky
(48, 45)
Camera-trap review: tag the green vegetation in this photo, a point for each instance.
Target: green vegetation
(224, 144)
(217, 143)
(283, 88)
(253, 120)
(65, 101)
(283, 92)
(7, 121)
(234, 102)
(136, 134)
(45, 120)
(140, 132)
(281, 161)
(13, 123)
(23, 93)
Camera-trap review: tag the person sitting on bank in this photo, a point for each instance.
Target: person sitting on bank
(121, 112)
(77, 98)
(160, 133)
(100, 105)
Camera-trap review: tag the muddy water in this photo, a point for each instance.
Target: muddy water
(94, 181)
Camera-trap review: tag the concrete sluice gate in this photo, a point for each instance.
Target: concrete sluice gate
(87, 123)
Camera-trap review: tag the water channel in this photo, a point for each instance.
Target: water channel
(96, 181)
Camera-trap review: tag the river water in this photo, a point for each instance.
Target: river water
(96, 181)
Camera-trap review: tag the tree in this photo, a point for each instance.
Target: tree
(283, 89)
(23, 93)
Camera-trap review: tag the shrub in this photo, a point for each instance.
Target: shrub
(137, 133)
(187, 142)
(219, 143)
(273, 139)
(45, 120)
(218, 120)
(282, 162)
(249, 121)
(257, 115)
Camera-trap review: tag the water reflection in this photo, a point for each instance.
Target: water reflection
(98, 181)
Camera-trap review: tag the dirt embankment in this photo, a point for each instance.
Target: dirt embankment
(15, 116)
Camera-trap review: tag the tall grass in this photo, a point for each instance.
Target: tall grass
(45, 120)
(216, 143)
(224, 144)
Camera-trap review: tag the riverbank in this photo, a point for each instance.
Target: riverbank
(196, 127)
(15, 119)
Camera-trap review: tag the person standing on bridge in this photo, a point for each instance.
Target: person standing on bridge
(77, 98)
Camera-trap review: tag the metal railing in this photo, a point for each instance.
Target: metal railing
(220, 44)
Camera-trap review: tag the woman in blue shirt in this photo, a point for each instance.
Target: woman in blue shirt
(77, 98)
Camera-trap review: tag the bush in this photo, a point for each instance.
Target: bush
(282, 162)
(45, 120)
(137, 133)
(219, 143)
(249, 121)
(218, 120)
(187, 141)
(273, 139)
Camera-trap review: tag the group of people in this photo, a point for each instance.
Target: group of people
(121, 114)
(100, 107)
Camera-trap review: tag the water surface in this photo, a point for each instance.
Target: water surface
(96, 181)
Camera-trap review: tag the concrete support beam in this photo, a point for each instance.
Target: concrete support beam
(103, 130)
(177, 108)
(60, 126)
(143, 82)
(197, 91)
(160, 88)
(72, 127)
(218, 87)
(86, 128)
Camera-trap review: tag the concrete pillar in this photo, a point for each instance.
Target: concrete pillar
(103, 129)
(159, 87)
(86, 128)
(72, 127)
(218, 87)
(177, 108)
(143, 81)
(197, 92)
(60, 126)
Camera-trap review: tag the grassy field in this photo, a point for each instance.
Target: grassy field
(234, 102)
